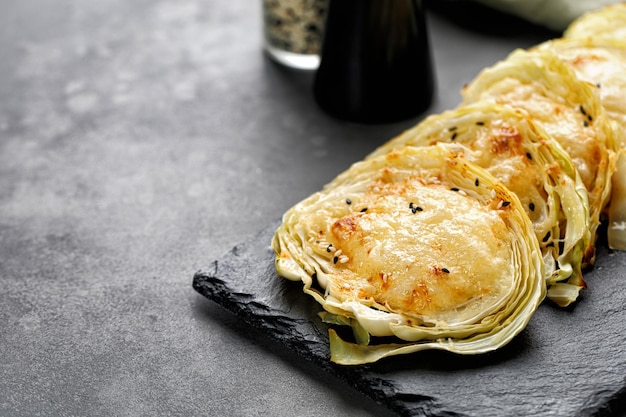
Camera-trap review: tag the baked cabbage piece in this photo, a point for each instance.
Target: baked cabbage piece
(601, 61)
(605, 22)
(567, 108)
(515, 150)
(415, 249)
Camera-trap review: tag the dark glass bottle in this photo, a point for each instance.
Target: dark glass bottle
(375, 64)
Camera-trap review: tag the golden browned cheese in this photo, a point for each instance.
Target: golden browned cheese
(569, 110)
(412, 252)
(502, 141)
(509, 145)
(601, 62)
(418, 243)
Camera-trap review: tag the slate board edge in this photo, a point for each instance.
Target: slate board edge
(383, 392)
(208, 283)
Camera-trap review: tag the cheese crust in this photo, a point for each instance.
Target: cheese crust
(567, 108)
(515, 150)
(420, 244)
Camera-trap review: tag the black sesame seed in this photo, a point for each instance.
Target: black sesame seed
(529, 155)
(531, 206)
(582, 110)
(348, 201)
(411, 205)
(452, 129)
(476, 182)
(446, 270)
(505, 203)
(311, 27)
(586, 123)
(454, 189)
(589, 118)
(335, 259)
(546, 237)
(480, 123)
(364, 210)
(329, 248)
(453, 136)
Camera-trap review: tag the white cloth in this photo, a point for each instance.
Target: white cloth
(554, 14)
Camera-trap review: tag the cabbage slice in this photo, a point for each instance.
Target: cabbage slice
(515, 150)
(567, 108)
(601, 61)
(420, 245)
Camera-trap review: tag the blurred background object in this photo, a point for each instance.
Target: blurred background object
(375, 63)
(293, 31)
(553, 14)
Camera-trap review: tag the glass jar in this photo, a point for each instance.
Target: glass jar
(293, 31)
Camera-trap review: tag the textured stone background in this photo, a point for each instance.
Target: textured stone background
(140, 140)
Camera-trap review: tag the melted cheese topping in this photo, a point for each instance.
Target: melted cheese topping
(563, 122)
(502, 141)
(601, 63)
(569, 110)
(420, 249)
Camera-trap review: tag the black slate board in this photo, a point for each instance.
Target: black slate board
(567, 362)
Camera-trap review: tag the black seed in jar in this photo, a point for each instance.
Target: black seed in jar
(295, 25)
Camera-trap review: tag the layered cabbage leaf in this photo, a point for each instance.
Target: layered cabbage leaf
(602, 62)
(515, 150)
(567, 108)
(418, 248)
